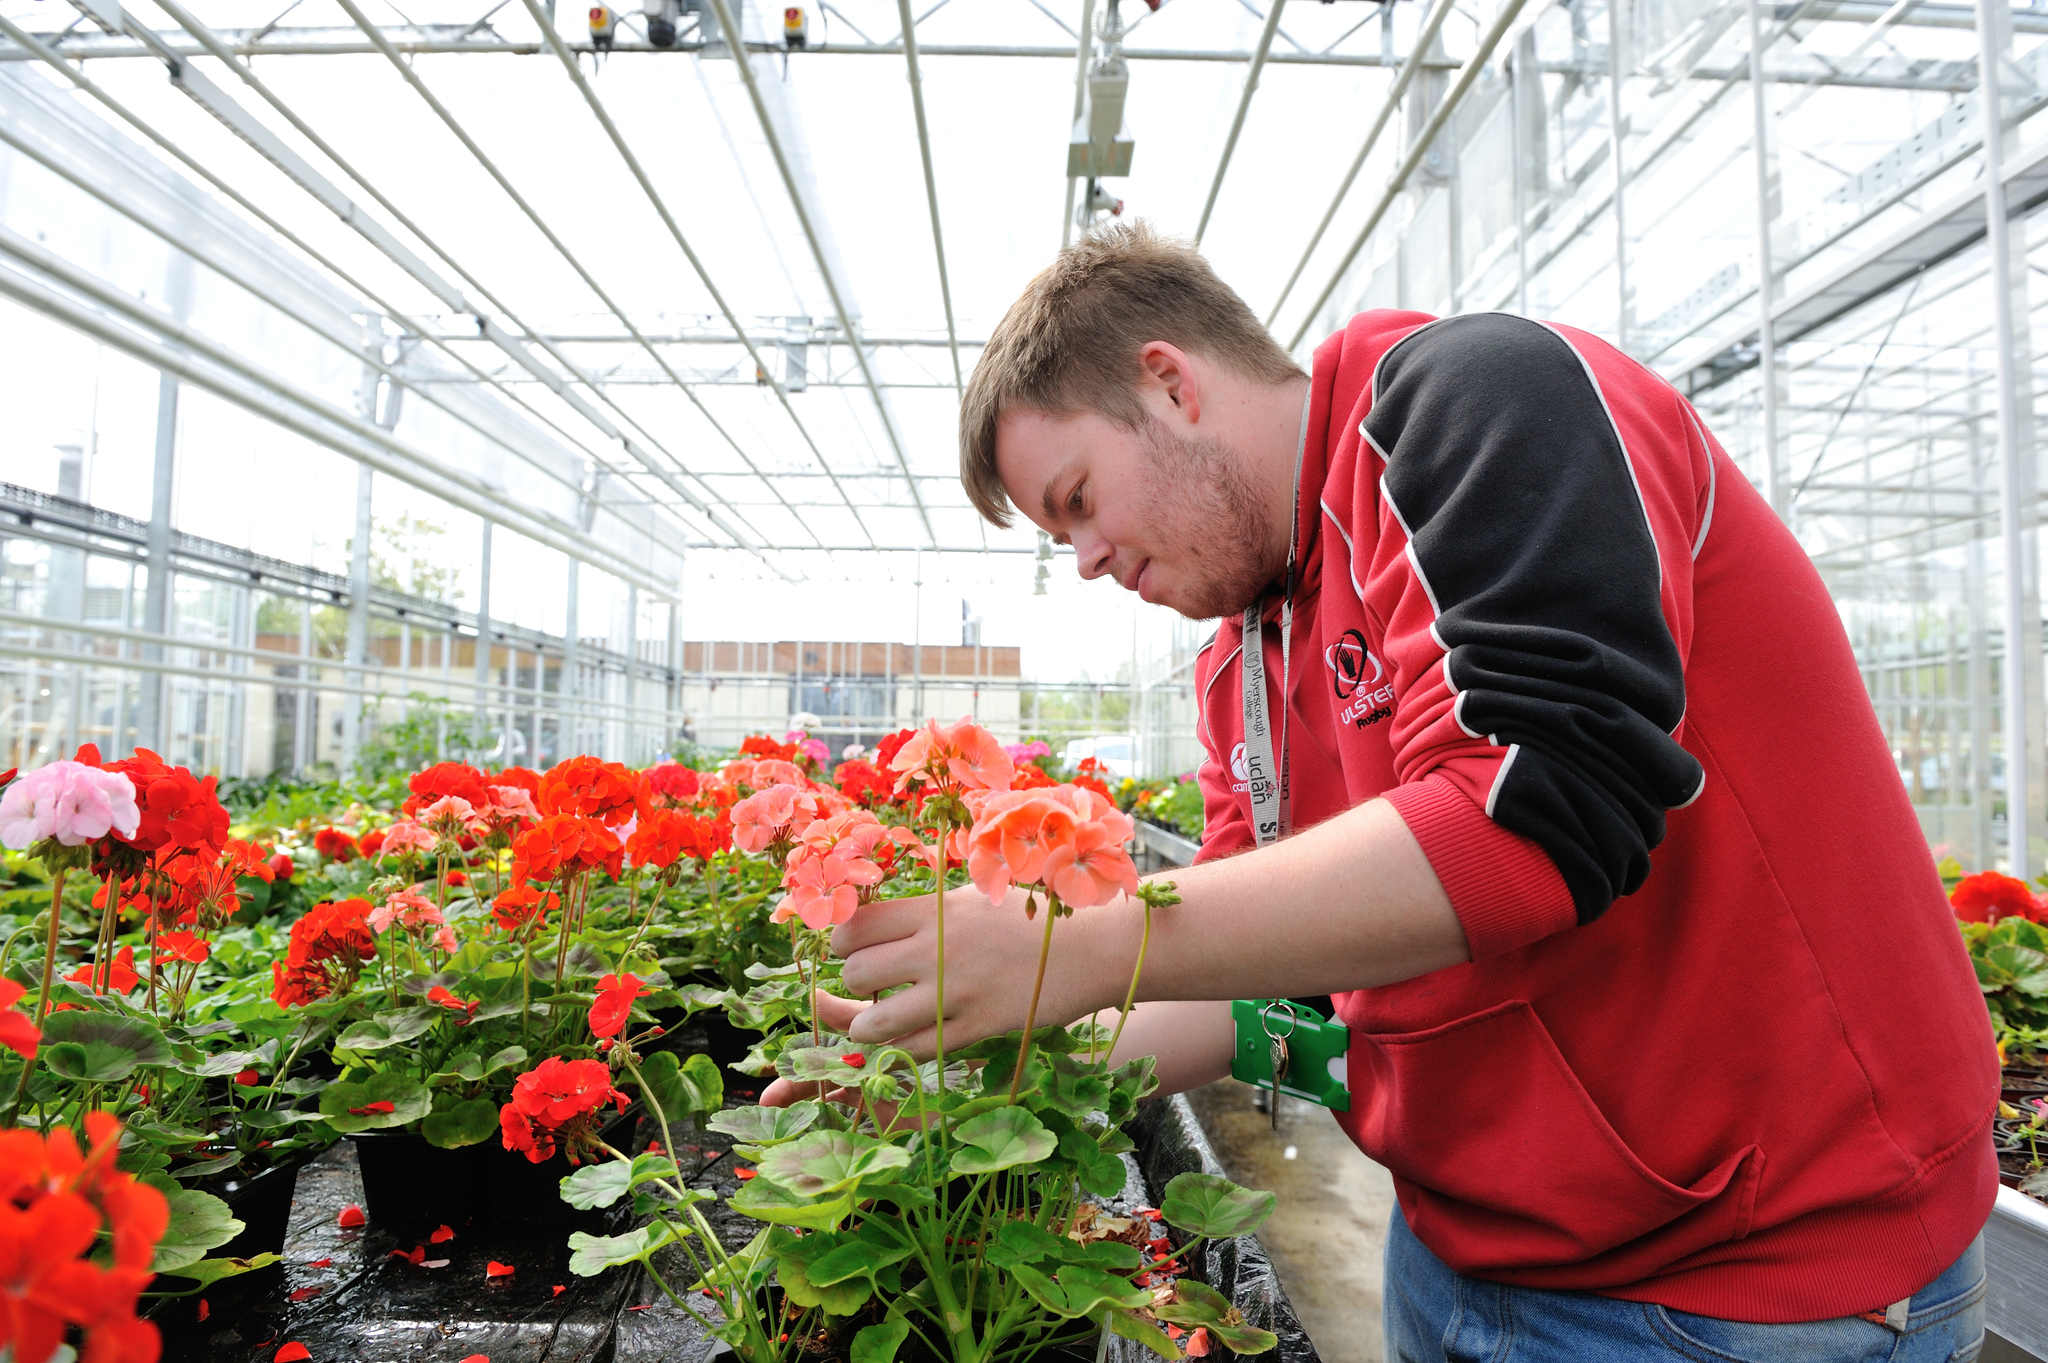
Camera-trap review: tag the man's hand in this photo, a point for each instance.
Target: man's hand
(991, 964)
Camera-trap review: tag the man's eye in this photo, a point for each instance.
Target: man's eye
(1074, 500)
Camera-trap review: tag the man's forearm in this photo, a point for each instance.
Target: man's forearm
(1349, 904)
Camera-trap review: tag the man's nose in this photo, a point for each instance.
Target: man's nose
(1093, 555)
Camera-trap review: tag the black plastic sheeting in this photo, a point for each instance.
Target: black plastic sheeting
(357, 1301)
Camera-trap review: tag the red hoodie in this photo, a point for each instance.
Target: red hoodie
(1543, 614)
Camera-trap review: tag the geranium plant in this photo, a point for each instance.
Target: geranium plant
(950, 1201)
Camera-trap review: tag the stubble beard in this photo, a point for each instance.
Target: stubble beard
(1207, 507)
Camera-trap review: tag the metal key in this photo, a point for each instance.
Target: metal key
(1279, 1074)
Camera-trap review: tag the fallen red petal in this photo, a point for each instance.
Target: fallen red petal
(306, 1292)
(441, 1233)
(204, 1310)
(650, 1306)
(560, 1290)
(497, 1270)
(351, 1217)
(320, 1263)
(291, 1353)
(477, 1358)
(744, 1173)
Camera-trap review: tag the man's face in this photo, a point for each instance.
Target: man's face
(1171, 517)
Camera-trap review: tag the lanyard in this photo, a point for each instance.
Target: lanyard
(1266, 780)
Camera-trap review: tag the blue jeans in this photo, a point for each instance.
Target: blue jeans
(1437, 1315)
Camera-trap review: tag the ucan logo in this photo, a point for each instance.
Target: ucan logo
(1238, 770)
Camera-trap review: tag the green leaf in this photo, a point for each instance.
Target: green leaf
(590, 1255)
(823, 1064)
(679, 1087)
(1215, 1207)
(1001, 1139)
(207, 1272)
(410, 1100)
(1195, 1304)
(829, 1161)
(1074, 1086)
(600, 1185)
(1139, 1330)
(1090, 1289)
(879, 1242)
(1025, 1242)
(510, 1058)
(792, 1270)
(1244, 1339)
(467, 1068)
(468, 1123)
(879, 1343)
(1111, 1256)
(386, 1029)
(101, 1048)
(1043, 1290)
(199, 1222)
(1099, 1172)
(765, 1125)
(770, 1202)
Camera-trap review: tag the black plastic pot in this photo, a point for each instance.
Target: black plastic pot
(408, 1182)
(262, 1202)
(517, 1192)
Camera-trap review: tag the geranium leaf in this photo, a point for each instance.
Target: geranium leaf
(467, 1123)
(386, 1029)
(793, 1270)
(1244, 1339)
(1001, 1139)
(600, 1185)
(767, 1201)
(876, 1245)
(1139, 1330)
(679, 1087)
(359, 1107)
(101, 1048)
(765, 1125)
(1112, 1256)
(467, 1068)
(590, 1255)
(1075, 1087)
(879, 1343)
(1098, 1172)
(1043, 1290)
(1024, 1242)
(823, 1064)
(1194, 1304)
(199, 1222)
(829, 1161)
(1215, 1207)
(510, 1058)
(206, 1272)
(1090, 1289)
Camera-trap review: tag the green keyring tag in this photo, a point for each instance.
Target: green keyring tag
(1316, 1051)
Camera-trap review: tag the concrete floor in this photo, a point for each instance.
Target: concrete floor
(1330, 1229)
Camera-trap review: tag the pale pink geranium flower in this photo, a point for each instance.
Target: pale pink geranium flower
(406, 836)
(825, 890)
(449, 810)
(773, 771)
(73, 802)
(408, 908)
(762, 817)
(513, 802)
(957, 757)
(1091, 868)
(444, 940)
(1065, 839)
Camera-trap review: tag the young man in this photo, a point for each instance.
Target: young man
(1555, 769)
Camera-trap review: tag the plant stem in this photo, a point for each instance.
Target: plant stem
(49, 974)
(1031, 1015)
(1144, 942)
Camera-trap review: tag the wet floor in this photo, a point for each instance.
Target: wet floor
(1328, 1233)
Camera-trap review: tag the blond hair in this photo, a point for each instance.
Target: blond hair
(1071, 343)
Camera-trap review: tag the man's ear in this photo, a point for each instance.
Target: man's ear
(1170, 381)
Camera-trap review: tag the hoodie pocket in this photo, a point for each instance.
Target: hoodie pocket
(1512, 1165)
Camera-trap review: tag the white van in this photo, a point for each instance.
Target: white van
(1117, 752)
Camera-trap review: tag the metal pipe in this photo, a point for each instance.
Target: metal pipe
(1244, 104)
(1767, 348)
(1082, 49)
(618, 141)
(728, 23)
(1438, 117)
(931, 188)
(2019, 737)
(1615, 133)
(276, 400)
(1439, 11)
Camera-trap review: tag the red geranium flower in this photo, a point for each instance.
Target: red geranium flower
(328, 948)
(1988, 896)
(444, 779)
(605, 791)
(674, 780)
(661, 837)
(521, 906)
(523, 778)
(119, 977)
(760, 745)
(863, 782)
(442, 998)
(372, 842)
(615, 995)
(563, 844)
(335, 845)
(557, 1100)
(178, 808)
(17, 1030)
(281, 867)
(182, 946)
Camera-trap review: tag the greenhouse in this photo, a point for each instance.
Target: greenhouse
(627, 730)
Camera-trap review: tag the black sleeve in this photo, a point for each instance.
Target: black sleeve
(1536, 551)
